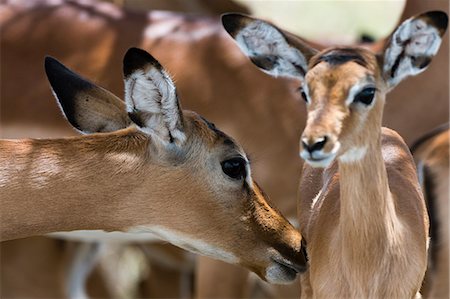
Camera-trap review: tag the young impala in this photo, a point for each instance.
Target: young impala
(171, 174)
(363, 216)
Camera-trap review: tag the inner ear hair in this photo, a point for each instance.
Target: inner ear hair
(151, 98)
(412, 46)
(276, 52)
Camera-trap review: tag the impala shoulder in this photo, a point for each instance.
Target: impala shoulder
(394, 147)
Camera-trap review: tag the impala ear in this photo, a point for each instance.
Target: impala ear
(276, 52)
(88, 107)
(151, 97)
(412, 46)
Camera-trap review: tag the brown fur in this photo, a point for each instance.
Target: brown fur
(432, 156)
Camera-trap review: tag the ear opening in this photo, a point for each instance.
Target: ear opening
(276, 52)
(88, 107)
(151, 98)
(412, 46)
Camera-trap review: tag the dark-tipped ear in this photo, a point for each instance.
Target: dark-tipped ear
(412, 46)
(151, 98)
(276, 52)
(89, 108)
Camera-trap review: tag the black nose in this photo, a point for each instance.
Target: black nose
(314, 145)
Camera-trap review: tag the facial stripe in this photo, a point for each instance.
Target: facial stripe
(218, 133)
(358, 87)
(306, 91)
(340, 56)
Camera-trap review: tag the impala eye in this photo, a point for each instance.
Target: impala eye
(235, 168)
(365, 96)
(302, 92)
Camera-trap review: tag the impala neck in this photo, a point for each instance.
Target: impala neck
(63, 185)
(367, 212)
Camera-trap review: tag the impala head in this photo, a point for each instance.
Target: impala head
(196, 178)
(344, 88)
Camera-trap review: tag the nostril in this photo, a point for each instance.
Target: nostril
(320, 143)
(305, 144)
(316, 145)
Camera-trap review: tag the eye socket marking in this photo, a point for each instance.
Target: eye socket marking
(304, 96)
(303, 91)
(235, 168)
(365, 96)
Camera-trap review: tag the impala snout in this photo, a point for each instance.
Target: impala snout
(284, 263)
(318, 150)
(283, 256)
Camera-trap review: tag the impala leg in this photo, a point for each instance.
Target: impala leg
(81, 265)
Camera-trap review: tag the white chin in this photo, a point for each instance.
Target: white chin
(320, 163)
(279, 274)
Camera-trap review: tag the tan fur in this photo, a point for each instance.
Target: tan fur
(432, 157)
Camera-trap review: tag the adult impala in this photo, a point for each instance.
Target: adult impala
(431, 153)
(171, 174)
(363, 216)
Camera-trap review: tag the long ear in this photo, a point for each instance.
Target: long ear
(276, 52)
(412, 46)
(151, 97)
(89, 108)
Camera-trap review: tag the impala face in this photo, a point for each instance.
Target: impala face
(189, 183)
(344, 87)
(342, 93)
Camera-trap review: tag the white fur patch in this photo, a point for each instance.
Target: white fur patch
(248, 170)
(259, 39)
(277, 272)
(353, 155)
(153, 94)
(103, 236)
(187, 242)
(415, 38)
(278, 275)
(149, 234)
(315, 199)
(355, 89)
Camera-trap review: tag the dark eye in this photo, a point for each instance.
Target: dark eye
(302, 92)
(365, 96)
(235, 168)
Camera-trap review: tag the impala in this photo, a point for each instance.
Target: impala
(431, 153)
(361, 210)
(170, 173)
(230, 84)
